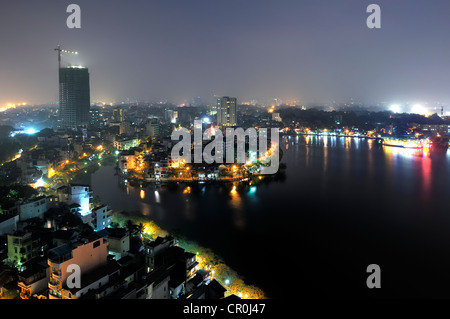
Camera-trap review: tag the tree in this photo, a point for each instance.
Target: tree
(140, 229)
(130, 226)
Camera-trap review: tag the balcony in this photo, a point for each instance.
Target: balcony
(52, 287)
(60, 254)
(54, 281)
(57, 276)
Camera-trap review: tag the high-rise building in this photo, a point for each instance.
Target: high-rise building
(117, 115)
(226, 111)
(74, 96)
(152, 128)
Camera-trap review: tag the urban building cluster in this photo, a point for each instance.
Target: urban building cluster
(41, 239)
(48, 224)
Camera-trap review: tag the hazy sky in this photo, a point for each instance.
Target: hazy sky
(311, 50)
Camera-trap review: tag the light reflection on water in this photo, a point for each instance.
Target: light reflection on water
(330, 155)
(348, 186)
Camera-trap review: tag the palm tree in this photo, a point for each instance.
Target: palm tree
(129, 225)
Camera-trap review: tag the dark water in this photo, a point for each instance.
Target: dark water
(344, 204)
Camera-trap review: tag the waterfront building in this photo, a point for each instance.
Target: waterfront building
(101, 217)
(119, 241)
(126, 143)
(126, 161)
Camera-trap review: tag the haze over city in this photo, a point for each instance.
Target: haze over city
(311, 52)
(226, 151)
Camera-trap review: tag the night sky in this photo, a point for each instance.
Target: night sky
(312, 51)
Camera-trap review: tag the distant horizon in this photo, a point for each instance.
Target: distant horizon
(406, 108)
(313, 52)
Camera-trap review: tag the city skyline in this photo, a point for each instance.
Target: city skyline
(306, 52)
(188, 150)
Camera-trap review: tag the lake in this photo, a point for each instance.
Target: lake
(343, 204)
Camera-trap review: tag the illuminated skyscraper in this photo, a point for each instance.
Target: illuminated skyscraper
(74, 96)
(226, 111)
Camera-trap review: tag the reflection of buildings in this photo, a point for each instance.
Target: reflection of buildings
(122, 182)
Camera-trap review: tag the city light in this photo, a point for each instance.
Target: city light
(187, 190)
(418, 109)
(395, 108)
(12, 106)
(51, 173)
(354, 161)
(30, 131)
(206, 120)
(39, 183)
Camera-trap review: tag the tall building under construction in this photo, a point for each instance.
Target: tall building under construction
(74, 96)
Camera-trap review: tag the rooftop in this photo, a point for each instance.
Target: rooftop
(60, 254)
(95, 275)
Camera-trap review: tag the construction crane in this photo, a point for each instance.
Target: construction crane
(58, 48)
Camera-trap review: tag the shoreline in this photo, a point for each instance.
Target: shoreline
(206, 257)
